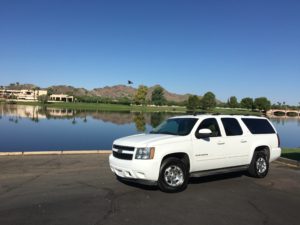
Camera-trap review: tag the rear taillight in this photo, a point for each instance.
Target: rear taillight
(278, 139)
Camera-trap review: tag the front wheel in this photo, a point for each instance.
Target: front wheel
(173, 175)
(259, 166)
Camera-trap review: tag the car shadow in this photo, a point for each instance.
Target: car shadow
(216, 177)
(192, 180)
(138, 185)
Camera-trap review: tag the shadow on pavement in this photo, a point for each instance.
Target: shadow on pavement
(192, 180)
(217, 177)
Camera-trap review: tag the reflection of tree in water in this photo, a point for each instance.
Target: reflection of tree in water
(85, 119)
(156, 119)
(74, 121)
(140, 122)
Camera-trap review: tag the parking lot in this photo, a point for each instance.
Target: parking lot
(80, 189)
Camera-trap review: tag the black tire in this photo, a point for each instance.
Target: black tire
(177, 167)
(261, 170)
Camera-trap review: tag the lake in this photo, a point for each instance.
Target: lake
(34, 128)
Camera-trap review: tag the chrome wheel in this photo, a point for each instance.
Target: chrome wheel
(173, 176)
(261, 165)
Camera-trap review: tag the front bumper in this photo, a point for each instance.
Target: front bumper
(147, 170)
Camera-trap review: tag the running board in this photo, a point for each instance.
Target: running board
(218, 171)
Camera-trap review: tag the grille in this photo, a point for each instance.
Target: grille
(118, 152)
(122, 155)
(126, 148)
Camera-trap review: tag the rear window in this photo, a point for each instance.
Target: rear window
(258, 126)
(232, 127)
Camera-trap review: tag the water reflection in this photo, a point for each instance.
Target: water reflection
(25, 128)
(36, 113)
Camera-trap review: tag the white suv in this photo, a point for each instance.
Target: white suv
(194, 146)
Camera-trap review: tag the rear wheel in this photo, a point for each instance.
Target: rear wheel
(173, 175)
(259, 166)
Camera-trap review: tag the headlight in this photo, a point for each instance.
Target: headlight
(144, 153)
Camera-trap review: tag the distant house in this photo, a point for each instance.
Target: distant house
(61, 98)
(22, 95)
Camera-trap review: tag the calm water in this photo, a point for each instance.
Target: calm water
(32, 128)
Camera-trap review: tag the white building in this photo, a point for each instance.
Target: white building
(61, 98)
(22, 95)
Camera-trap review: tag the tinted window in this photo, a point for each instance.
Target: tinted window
(232, 127)
(211, 124)
(176, 126)
(258, 126)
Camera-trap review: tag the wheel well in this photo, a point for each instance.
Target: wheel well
(264, 149)
(180, 155)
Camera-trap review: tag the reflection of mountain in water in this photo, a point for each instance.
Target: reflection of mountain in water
(35, 113)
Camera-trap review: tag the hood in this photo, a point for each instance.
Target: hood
(143, 140)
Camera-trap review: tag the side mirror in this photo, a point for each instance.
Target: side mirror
(204, 133)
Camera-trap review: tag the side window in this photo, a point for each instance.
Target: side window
(258, 126)
(232, 127)
(211, 124)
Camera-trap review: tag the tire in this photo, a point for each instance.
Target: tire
(173, 175)
(259, 166)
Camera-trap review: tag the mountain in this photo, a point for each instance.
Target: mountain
(114, 92)
(70, 90)
(120, 91)
(111, 92)
(17, 86)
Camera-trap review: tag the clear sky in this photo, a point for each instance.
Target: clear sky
(243, 48)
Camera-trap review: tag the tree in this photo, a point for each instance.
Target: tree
(158, 97)
(50, 91)
(262, 103)
(156, 119)
(141, 94)
(193, 103)
(208, 101)
(140, 122)
(43, 99)
(232, 102)
(247, 103)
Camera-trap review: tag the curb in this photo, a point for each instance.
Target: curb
(289, 162)
(66, 152)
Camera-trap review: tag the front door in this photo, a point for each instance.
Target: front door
(209, 153)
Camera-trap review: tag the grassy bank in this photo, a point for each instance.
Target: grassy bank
(135, 108)
(291, 153)
(108, 107)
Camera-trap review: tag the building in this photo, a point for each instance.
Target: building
(22, 95)
(61, 98)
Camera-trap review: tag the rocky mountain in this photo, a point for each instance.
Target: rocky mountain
(17, 86)
(119, 91)
(70, 90)
(111, 92)
(114, 92)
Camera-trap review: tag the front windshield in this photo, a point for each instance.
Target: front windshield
(176, 126)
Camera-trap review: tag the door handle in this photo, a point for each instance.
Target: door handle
(243, 141)
(221, 142)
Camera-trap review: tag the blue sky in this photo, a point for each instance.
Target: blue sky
(241, 48)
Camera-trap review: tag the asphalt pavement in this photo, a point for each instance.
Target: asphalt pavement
(80, 189)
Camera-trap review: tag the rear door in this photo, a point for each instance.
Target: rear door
(236, 142)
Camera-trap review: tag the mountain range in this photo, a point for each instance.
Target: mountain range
(111, 92)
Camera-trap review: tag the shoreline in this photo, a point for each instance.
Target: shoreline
(106, 107)
(53, 152)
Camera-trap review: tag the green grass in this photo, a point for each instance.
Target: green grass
(291, 153)
(135, 108)
(108, 107)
